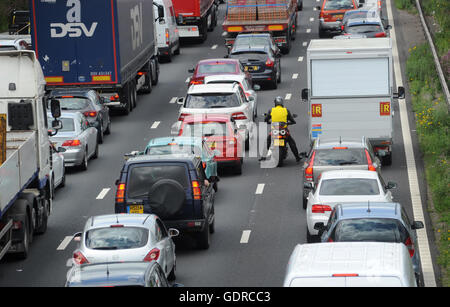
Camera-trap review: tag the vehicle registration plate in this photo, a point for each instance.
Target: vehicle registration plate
(136, 209)
(251, 68)
(277, 142)
(339, 17)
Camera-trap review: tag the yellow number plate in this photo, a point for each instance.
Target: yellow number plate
(278, 142)
(136, 209)
(251, 68)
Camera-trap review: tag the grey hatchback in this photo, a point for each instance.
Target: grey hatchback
(338, 154)
(380, 222)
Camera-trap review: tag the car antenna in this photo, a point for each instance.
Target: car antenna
(117, 219)
(368, 206)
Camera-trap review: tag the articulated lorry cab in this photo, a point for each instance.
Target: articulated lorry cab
(25, 159)
(107, 45)
(351, 90)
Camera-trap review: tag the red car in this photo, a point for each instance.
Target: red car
(216, 67)
(221, 135)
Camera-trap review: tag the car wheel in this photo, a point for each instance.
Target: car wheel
(108, 128)
(63, 180)
(309, 237)
(279, 73)
(178, 50)
(100, 134)
(84, 163)
(172, 276)
(203, 238)
(95, 156)
(305, 202)
(238, 168)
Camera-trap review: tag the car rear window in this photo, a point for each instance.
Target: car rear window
(349, 186)
(337, 157)
(250, 55)
(215, 68)
(173, 149)
(370, 229)
(363, 28)
(142, 178)
(216, 100)
(68, 124)
(73, 103)
(113, 238)
(205, 129)
(339, 5)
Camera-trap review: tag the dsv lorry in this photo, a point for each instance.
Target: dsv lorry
(351, 90)
(25, 165)
(107, 45)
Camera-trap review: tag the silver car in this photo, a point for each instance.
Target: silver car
(77, 137)
(127, 237)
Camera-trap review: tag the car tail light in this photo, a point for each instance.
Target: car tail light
(270, 63)
(239, 116)
(410, 245)
(79, 258)
(114, 97)
(182, 116)
(309, 170)
(120, 194)
(71, 143)
(346, 275)
(199, 80)
(167, 37)
(320, 208)
(340, 147)
(152, 255)
(90, 113)
(369, 162)
(381, 34)
(196, 191)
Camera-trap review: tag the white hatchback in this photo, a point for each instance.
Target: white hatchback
(219, 99)
(343, 186)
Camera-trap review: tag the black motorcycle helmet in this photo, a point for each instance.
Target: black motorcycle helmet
(279, 101)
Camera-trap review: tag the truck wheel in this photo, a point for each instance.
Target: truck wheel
(125, 99)
(44, 220)
(238, 168)
(21, 209)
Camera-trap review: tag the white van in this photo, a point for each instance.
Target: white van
(350, 264)
(167, 36)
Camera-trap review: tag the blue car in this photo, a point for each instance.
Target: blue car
(177, 145)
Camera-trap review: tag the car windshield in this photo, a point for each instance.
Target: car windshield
(215, 68)
(363, 28)
(214, 100)
(173, 149)
(142, 178)
(349, 186)
(339, 5)
(338, 157)
(75, 103)
(205, 129)
(68, 124)
(116, 238)
(370, 229)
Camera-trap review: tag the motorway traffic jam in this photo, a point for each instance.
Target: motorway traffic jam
(87, 65)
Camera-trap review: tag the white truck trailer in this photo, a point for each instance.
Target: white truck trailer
(351, 90)
(25, 169)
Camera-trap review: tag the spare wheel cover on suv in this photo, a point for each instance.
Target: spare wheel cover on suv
(166, 197)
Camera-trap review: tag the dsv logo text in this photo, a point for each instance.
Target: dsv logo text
(74, 27)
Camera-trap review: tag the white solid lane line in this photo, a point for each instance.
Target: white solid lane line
(64, 243)
(260, 188)
(155, 125)
(103, 193)
(416, 199)
(245, 236)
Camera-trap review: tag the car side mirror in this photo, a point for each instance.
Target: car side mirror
(77, 237)
(391, 185)
(251, 98)
(308, 185)
(305, 94)
(303, 154)
(55, 108)
(173, 232)
(57, 125)
(401, 93)
(360, 5)
(180, 100)
(417, 225)
(191, 70)
(388, 27)
(318, 8)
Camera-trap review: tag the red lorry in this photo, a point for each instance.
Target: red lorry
(195, 17)
(279, 17)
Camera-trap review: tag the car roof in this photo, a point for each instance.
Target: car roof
(328, 143)
(184, 157)
(218, 60)
(343, 174)
(362, 258)
(122, 219)
(245, 47)
(207, 117)
(213, 88)
(225, 77)
(112, 273)
(176, 139)
(70, 92)
(369, 210)
(363, 21)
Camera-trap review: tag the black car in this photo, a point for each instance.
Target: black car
(174, 187)
(254, 39)
(260, 61)
(117, 274)
(90, 104)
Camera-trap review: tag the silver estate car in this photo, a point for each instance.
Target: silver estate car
(126, 237)
(77, 137)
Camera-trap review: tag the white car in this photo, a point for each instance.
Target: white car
(219, 99)
(343, 186)
(250, 92)
(58, 169)
(126, 237)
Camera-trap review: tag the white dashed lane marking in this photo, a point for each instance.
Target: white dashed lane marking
(245, 236)
(103, 193)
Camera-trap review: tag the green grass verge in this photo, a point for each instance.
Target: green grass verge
(432, 125)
